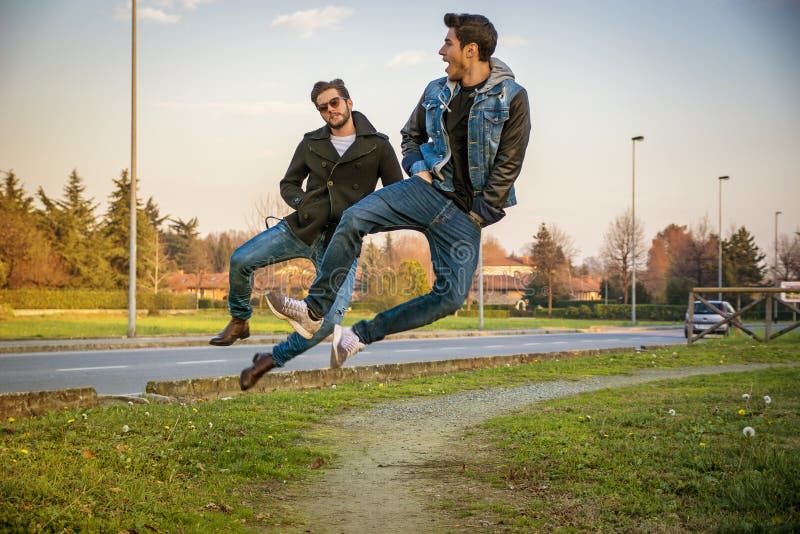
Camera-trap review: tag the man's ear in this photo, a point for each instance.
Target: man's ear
(472, 50)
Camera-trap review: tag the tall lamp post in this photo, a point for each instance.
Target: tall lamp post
(775, 268)
(775, 271)
(633, 227)
(719, 237)
(132, 255)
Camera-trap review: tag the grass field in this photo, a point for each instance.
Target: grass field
(600, 461)
(209, 322)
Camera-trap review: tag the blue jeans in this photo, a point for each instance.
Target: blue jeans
(275, 245)
(412, 204)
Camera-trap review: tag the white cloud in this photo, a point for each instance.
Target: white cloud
(408, 58)
(157, 15)
(161, 13)
(247, 109)
(123, 12)
(191, 4)
(308, 21)
(512, 40)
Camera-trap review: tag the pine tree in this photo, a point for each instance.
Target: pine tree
(12, 196)
(26, 255)
(743, 260)
(71, 226)
(116, 229)
(547, 258)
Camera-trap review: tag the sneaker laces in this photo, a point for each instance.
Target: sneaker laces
(294, 308)
(350, 344)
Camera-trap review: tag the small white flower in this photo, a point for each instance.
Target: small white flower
(125, 429)
(749, 431)
(210, 425)
(85, 417)
(333, 386)
(746, 396)
(767, 399)
(589, 417)
(147, 414)
(130, 403)
(672, 412)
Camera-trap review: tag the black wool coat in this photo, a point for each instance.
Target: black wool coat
(335, 183)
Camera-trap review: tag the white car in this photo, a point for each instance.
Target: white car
(704, 318)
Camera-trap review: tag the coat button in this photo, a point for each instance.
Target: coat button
(358, 165)
(355, 186)
(305, 216)
(330, 183)
(324, 163)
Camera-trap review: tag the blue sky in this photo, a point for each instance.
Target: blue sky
(223, 100)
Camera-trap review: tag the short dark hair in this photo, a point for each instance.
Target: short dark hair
(321, 87)
(474, 29)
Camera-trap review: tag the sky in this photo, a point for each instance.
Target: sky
(223, 100)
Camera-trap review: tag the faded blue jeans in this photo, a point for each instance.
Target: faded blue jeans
(412, 204)
(275, 245)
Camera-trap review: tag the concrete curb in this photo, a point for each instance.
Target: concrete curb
(228, 386)
(36, 403)
(19, 346)
(33, 403)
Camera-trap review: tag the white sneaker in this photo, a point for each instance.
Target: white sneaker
(294, 311)
(345, 344)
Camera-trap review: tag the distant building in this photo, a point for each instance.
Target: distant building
(504, 281)
(291, 278)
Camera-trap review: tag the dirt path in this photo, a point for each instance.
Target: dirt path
(394, 459)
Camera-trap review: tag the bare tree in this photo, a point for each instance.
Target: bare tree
(271, 206)
(618, 242)
(789, 257)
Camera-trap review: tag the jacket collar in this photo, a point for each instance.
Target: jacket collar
(362, 124)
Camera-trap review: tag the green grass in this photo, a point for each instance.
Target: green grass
(208, 322)
(228, 465)
(602, 462)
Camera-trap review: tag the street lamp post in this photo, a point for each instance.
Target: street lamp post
(719, 237)
(775, 271)
(633, 227)
(775, 267)
(132, 243)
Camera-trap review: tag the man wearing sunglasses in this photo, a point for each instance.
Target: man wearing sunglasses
(340, 164)
(463, 146)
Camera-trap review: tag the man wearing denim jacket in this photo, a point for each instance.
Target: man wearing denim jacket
(332, 168)
(464, 146)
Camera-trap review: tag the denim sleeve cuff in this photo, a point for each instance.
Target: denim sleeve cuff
(489, 214)
(413, 163)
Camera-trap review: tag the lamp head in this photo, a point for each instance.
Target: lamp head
(724, 177)
(637, 138)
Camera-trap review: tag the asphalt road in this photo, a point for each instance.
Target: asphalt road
(127, 371)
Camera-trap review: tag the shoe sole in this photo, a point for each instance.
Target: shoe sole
(299, 328)
(337, 336)
(217, 344)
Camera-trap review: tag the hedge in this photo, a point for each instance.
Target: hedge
(650, 312)
(84, 299)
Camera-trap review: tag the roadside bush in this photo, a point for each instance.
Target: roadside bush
(495, 314)
(207, 304)
(85, 299)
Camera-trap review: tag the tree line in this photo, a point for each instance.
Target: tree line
(64, 243)
(679, 258)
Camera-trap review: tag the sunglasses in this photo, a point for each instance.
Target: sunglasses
(333, 103)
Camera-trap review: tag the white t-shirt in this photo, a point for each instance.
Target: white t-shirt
(342, 143)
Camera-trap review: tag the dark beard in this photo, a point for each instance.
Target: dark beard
(341, 122)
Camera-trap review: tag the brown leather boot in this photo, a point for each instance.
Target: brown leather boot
(236, 329)
(262, 364)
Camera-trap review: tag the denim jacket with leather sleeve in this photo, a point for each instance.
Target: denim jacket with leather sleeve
(497, 133)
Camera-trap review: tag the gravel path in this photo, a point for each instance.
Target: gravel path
(389, 474)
